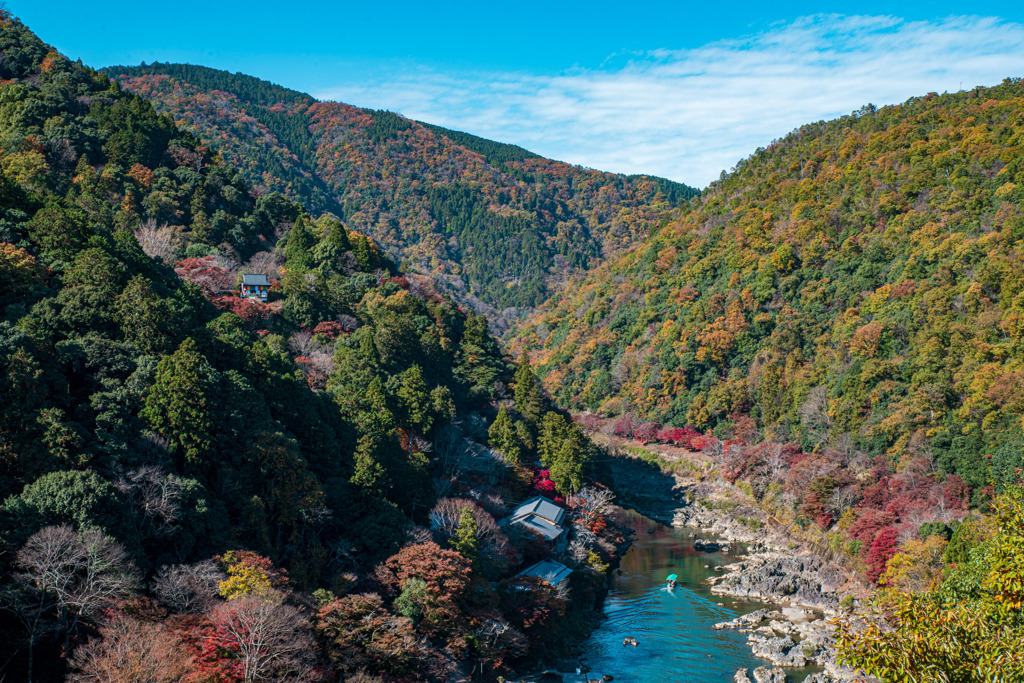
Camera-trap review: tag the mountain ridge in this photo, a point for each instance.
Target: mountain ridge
(444, 202)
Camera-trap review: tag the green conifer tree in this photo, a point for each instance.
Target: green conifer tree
(506, 435)
(568, 466)
(145, 319)
(466, 540)
(368, 471)
(337, 235)
(479, 361)
(179, 405)
(553, 431)
(375, 414)
(443, 404)
(528, 400)
(414, 399)
(367, 348)
(300, 241)
(362, 252)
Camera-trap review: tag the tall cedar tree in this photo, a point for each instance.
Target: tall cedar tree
(179, 406)
(528, 401)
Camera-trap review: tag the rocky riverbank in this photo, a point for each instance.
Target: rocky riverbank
(807, 589)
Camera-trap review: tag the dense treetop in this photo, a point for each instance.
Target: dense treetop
(495, 152)
(500, 225)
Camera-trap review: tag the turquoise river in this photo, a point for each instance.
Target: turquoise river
(673, 628)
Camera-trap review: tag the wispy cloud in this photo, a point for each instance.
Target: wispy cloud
(689, 114)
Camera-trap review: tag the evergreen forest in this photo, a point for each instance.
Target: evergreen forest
(197, 486)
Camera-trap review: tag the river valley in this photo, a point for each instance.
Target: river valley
(673, 628)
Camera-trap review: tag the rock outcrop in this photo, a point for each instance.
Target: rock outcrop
(804, 580)
(806, 587)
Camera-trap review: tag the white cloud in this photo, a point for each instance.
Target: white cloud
(688, 114)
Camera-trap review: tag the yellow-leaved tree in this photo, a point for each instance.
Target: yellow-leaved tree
(969, 630)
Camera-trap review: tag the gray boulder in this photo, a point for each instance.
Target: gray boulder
(782, 651)
(763, 674)
(745, 622)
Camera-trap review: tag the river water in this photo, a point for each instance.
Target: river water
(676, 641)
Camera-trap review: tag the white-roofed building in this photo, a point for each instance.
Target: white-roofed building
(549, 571)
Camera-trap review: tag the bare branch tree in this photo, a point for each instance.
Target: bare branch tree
(444, 520)
(128, 649)
(714, 448)
(500, 640)
(301, 342)
(585, 535)
(272, 641)
(158, 242)
(348, 323)
(841, 500)
(814, 414)
(188, 588)
(589, 503)
(448, 447)
(578, 552)
(265, 262)
(67, 576)
(154, 497)
(775, 463)
(420, 444)
(342, 553)
(35, 610)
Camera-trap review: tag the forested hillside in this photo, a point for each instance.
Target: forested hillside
(499, 224)
(859, 277)
(194, 486)
(839, 321)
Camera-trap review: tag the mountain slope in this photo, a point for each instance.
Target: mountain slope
(857, 284)
(203, 480)
(112, 360)
(501, 225)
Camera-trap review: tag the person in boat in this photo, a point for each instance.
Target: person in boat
(672, 580)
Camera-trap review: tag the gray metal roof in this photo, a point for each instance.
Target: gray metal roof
(542, 507)
(540, 515)
(255, 279)
(548, 570)
(541, 526)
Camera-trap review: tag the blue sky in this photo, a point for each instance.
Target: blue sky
(675, 89)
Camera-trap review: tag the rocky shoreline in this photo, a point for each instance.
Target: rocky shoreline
(808, 592)
(807, 589)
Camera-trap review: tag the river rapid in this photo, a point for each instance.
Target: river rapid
(673, 628)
